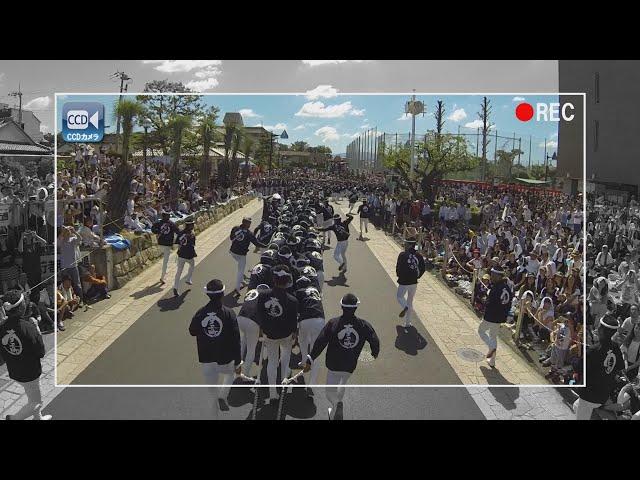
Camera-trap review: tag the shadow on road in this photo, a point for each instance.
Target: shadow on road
(172, 303)
(149, 290)
(506, 396)
(409, 340)
(340, 280)
(493, 376)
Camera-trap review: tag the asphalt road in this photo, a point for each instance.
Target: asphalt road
(158, 350)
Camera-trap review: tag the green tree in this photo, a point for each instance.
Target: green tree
(179, 124)
(437, 155)
(299, 146)
(160, 109)
(128, 111)
(504, 163)
(207, 131)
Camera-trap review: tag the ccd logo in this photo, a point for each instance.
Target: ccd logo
(545, 112)
(83, 122)
(79, 119)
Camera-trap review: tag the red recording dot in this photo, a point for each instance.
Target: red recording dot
(524, 112)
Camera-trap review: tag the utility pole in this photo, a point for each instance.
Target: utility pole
(19, 95)
(413, 138)
(123, 78)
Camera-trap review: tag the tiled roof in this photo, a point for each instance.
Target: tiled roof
(21, 147)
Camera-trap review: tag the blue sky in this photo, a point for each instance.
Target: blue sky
(323, 116)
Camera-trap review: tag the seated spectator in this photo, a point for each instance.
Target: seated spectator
(95, 286)
(67, 301)
(87, 236)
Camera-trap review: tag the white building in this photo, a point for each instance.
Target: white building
(30, 123)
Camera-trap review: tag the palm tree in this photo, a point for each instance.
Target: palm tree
(207, 134)
(178, 125)
(127, 111)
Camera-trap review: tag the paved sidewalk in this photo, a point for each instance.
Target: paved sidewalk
(79, 349)
(12, 396)
(451, 324)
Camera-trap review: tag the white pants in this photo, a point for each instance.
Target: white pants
(181, 261)
(410, 292)
(212, 373)
(584, 409)
(280, 347)
(340, 252)
(310, 328)
(166, 253)
(249, 331)
(364, 222)
(336, 394)
(320, 280)
(488, 332)
(34, 401)
(241, 260)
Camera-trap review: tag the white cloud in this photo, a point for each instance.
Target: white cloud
(273, 128)
(458, 115)
(550, 144)
(318, 109)
(366, 125)
(518, 99)
(39, 103)
(321, 91)
(315, 63)
(248, 113)
(300, 127)
(404, 116)
(327, 134)
(182, 66)
(202, 85)
(477, 123)
(205, 71)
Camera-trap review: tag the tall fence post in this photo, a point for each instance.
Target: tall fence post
(473, 286)
(518, 329)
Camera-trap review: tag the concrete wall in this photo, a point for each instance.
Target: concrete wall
(613, 96)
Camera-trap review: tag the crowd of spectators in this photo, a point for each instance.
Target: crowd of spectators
(613, 238)
(82, 192)
(27, 235)
(534, 235)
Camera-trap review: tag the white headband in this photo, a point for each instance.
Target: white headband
(611, 327)
(8, 306)
(349, 306)
(213, 291)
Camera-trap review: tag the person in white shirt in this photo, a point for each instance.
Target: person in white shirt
(88, 238)
(604, 258)
(132, 223)
(491, 238)
(131, 204)
(526, 214)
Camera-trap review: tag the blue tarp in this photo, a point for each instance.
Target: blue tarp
(118, 242)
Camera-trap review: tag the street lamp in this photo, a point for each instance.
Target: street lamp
(146, 124)
(272, 137)
(553, 157)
